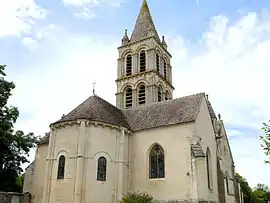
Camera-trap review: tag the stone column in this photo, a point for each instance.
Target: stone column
(49, 166)
(135, 66)
(121, 165)
(80, 164)
(134, 98)
(150, 59)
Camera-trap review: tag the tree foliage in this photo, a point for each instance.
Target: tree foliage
(246, 189)
(262, 193)
(137, 198)
(266, 140)
(14, 145)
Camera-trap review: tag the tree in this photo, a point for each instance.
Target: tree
(14, 145)
(246, 189)
(137, 198)
(262, 192)
(20, 181)
(266, 140)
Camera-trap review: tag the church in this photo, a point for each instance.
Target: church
(175, 149)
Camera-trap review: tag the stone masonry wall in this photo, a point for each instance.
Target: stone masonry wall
(12, 197)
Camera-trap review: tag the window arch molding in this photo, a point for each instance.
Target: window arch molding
(139, 82)
(149, 151)
(127, 85)
(102, 153)
(125, 53)
(142, 47)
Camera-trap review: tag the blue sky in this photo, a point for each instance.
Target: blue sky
(54, 50)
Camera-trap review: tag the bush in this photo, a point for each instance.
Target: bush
(134, 197)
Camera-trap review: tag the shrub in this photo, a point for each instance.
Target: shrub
(134, 197)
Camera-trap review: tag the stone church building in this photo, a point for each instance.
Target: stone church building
(175, 149)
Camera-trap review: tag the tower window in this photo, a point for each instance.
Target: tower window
(156, 162)
(61, 167)
(128, 65)
(165, 68)
(166, 95)
(158, 62)
(128, 98)
(141, 94)
(102, 169)
(159, 94)
(142, 61)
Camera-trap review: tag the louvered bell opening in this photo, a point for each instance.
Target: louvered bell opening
(142, 95)
(128, 98)
(165, 69)
(142, 61)
(128, 65)
(157, 62)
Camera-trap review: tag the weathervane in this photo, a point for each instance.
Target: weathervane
(94, 88)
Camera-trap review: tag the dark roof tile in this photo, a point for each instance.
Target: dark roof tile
(96, 109)
(175, 111)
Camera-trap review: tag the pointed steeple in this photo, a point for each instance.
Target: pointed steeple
(144, 26)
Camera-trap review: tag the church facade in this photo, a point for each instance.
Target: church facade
(177, 150)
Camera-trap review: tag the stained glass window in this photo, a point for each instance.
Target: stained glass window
(156, 162)
(102, 169)
(61, 167)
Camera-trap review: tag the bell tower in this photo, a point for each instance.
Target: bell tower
(144, 73)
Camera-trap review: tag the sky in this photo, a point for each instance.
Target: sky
(55, 50)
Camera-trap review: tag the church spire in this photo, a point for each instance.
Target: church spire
(144, 26)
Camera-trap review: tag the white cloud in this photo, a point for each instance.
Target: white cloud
(30, 43)
(230, 63)
(85, 8)
(18, 16)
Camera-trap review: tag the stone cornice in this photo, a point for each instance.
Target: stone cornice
(143, 73)
(144, 39)
(88, 123)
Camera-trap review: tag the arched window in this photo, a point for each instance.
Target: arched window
(156, 162)
(101, 169)
(209, 168)
(128, 97)
(165, 68)
(141, 93)
(142, 61)
(128, 65)
(227, 182)
(158, 62)
(61, 167)
(159, 93)
(167, 95)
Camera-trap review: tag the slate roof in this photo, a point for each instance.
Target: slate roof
(144, 26)
(45, 139)
(175, 111)
(96, 109)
